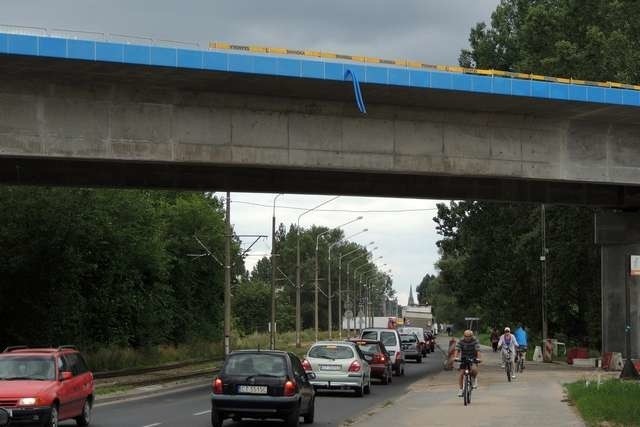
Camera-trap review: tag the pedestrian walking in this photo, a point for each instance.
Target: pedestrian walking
(495, 338)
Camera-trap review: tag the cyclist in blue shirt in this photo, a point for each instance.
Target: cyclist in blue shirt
(522, 338)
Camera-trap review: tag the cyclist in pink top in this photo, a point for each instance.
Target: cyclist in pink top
(508, 342)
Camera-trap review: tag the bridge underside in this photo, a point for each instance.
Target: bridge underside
(206, 177)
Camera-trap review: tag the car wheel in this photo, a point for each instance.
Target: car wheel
(293, 420)
(53, 418)
(385, 378)
(396, 371)
(367, 388)
(402, 370)
(419, 359)
(236, 419)
(308, 417)
(216, 419)
(85, 418)
(359, 390)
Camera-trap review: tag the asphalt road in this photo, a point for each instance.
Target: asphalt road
(192, 408)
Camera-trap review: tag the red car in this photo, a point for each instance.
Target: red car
(378, 359)
(45, 386)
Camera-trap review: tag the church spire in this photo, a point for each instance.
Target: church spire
(411, 302)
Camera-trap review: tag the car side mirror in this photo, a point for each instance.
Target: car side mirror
(311, 376)
(66, 375)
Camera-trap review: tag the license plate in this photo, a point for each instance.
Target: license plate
(252, 389)
(330, 367)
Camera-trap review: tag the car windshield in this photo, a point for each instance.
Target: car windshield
(252, 364)
(330, 351)
(370, 335)
(388, 339)
(369, 348)
(408, 338)
(27, 368)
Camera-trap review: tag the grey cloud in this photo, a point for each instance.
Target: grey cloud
(424, 30)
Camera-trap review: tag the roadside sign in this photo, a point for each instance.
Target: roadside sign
(348, 314)
(635, 265)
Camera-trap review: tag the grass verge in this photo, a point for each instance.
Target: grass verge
(614, 402)
(115, 357)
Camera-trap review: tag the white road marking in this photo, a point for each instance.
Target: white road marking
(202, 413)
(152, 425)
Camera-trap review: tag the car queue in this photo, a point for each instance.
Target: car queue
(267, 384)
(47, 385)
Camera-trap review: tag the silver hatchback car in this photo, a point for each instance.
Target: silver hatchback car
(338, 365)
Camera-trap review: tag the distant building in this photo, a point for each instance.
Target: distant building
(411, 302)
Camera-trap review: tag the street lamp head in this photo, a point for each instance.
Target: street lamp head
(360, 217)
(365, 230)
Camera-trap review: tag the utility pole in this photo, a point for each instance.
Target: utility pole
(316, 294)
(227, 279)
(543, 259)
(273, 276)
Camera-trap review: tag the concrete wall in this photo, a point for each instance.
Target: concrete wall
(101, 121)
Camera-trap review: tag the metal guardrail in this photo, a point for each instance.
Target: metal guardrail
(94, 36)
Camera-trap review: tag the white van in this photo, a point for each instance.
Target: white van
(391, 340)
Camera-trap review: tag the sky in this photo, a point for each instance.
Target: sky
(431, 31)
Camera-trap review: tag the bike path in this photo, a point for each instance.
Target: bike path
(535, 398)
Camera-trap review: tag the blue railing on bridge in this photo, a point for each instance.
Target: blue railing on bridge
(126, 53)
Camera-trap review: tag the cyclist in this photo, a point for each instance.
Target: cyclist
(468, 347)
(522, 338)
(508, 342)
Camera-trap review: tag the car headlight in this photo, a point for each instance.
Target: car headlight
(27, 401)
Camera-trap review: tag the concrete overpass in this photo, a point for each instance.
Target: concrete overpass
(81, 112)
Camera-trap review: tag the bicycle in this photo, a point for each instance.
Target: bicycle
(506, 357)
(467, 381)
(520, 355)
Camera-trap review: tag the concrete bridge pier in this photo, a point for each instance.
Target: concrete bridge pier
(618, 234)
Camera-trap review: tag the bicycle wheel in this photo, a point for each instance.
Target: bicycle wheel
(469, 389)
(465, 390)
(508, 369)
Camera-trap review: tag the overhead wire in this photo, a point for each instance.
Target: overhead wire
(338, 210)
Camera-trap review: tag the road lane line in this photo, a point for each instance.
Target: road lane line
(152, 425)
(202, 413)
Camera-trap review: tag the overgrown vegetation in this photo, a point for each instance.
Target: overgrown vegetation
(613, 402)
(114, 272)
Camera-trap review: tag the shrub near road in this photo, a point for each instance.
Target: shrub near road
(614, 402)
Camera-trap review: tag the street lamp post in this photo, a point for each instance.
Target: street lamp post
(329, 294)
(355, 271)
(316, 278)
(340, 285)
(298, 284)
(351, 296)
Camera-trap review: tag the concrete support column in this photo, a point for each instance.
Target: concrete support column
(618, 233)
